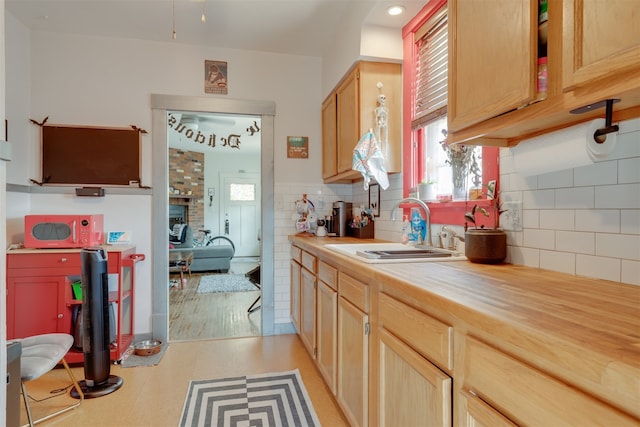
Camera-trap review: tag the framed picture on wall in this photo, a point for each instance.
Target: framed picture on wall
(374, 199)
(215, 77)
(298, 147)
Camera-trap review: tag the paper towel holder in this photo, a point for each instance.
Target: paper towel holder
(600, 135)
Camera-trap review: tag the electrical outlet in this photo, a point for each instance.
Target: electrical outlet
(511, 218)
(212, 192)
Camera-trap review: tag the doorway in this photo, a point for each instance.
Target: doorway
(214, 169)
(161, 104)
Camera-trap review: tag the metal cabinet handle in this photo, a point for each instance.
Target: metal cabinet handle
(63, 260)
(60, 315)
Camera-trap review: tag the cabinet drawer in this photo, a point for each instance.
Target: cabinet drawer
(40, 260)
(296, 253)
(328, 275)
(527, 396)
(354, 291)
(309, 261)
(429, 336)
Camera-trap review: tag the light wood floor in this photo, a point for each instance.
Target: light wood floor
(154, 396)
(213, 315)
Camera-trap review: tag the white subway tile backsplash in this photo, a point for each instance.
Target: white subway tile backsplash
(630, 126)
(598, 267)
(576, 242)
(523, 256)
(622, 246)
(518, 182)
(538, 199)
(629, 170)
(559, 179)
(515, 238)
(558, 261)
(596, 174)
(627, 146)
(557, 219)
(630, 221)
(591, 213)
(541, 239)
(623, 196)
(531, 219)
(631, 272)
(574, 198)
(598, 220)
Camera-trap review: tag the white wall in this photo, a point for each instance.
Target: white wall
(108, 82)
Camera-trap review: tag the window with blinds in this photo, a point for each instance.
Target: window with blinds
(430, 91)
(425, 87)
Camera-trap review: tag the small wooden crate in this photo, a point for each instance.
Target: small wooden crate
(365, 232)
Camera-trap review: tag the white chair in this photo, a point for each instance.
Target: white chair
(40, 354)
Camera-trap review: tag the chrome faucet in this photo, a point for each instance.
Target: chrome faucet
(449, 236)
(424, 207)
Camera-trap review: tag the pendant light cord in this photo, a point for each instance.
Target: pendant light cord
(174, 20)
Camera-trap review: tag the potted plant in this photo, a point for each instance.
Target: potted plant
(427, 190)
(485, 245)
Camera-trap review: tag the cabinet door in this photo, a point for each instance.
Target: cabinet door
(36, 305)
(601, 39)
(329, 141)
(492, 58)
(327, 321)
(526, 395)
(475, 413)
(295, 294)
(353, 363)
(413, 392)
(308, 310)
(348, 120)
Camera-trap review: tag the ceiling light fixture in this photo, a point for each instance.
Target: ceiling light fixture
(395, 10)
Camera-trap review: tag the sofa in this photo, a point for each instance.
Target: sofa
(215, 257)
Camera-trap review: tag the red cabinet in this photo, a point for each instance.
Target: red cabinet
(40, 297)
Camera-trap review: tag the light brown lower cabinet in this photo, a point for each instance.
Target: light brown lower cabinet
(327, 320)
(413, 392)
(417, 379)
(511, 389)
(353, 363)
(477, 413)
(308, 310)
(294, 280)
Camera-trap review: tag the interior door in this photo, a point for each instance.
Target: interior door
(240, 212)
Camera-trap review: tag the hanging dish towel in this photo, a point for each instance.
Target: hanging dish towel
(368, 160)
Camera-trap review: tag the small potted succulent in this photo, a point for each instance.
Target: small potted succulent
(485, 245)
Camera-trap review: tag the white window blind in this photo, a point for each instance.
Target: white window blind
(430, 101)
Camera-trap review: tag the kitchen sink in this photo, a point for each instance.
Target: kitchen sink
(381, 253)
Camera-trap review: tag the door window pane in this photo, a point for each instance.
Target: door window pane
(242, 192)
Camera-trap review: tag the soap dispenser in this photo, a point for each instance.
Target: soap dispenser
(406, 229)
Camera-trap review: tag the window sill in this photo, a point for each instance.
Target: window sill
(452, 213)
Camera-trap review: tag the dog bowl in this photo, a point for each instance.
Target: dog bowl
(147, 347)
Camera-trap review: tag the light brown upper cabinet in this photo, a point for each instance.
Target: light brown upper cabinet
(593, 52)
(348, 113)
(601, 38)
(329, 138)
(493, 59)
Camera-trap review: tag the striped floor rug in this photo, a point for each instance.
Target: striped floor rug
(273, 399)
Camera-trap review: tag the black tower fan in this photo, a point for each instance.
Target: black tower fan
(95, 326)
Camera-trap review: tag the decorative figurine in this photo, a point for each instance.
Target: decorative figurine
(382, 118)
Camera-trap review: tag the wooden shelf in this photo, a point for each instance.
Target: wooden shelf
(178, 199)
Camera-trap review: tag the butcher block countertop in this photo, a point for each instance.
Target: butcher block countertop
(583, 331)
